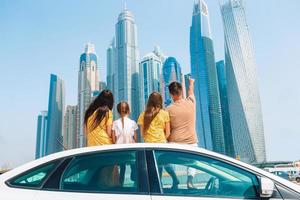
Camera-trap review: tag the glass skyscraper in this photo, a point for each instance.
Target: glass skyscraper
(243, 95)
(209, 125)
(150, 71)
(171, 72)
(127, 62)
(229, 147)
(56, 105)
(40, 149)
(88, 81)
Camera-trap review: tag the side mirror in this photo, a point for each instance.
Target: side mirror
(266, 187)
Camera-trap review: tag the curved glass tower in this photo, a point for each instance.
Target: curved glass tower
(243, 95)
(209, 125)
(171, 72)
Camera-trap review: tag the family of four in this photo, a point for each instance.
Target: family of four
(175, 124)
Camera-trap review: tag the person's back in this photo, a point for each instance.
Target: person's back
(182, 115)
(183, 119)
(124, 129)
(98, 120)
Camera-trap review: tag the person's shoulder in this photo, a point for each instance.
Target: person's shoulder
(164, 112)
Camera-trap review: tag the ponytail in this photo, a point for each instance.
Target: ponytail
(123, 109)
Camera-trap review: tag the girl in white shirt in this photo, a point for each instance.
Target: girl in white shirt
(124, 129)
(124, 132)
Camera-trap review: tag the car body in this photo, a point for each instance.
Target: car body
(295, 175)
(144, 172)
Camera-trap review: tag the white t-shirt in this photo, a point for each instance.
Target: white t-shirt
(124, 135)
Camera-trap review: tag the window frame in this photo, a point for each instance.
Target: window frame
(141, 170)
(57, 162)
(154, 191)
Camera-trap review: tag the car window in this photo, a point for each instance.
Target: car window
(103, 172)
(194, 175)
(34, 178)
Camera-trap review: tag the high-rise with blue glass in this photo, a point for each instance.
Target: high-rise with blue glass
(209, 125)
(88, 82)
(40, 149)
(55, 116)
(229, 147)
(126, 53)
(243, 94)
(171, 72)
(150, 71)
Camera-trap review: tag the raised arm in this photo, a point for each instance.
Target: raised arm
(191, 86)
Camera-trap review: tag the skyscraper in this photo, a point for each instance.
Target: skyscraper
(209, 125)
(243, 95)
(150, 71)
(171, 72)
(40, 149)
(70, 128)
(55, 115)
(127, 62)
(111, 63)
(229, 147)
(88, 81)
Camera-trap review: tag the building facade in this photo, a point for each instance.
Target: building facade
(40, 149)
(243, 94)
(209, 125)
(229, 147)
(70, 128)
(150, 71)
(56, 105)
(88, 81)
(171, 72)
(126, 72)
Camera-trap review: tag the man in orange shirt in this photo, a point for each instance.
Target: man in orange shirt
(182, 119)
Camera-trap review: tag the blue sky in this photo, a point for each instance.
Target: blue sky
(42, 37)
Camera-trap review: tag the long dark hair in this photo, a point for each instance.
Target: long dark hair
(123, 109)
(153, 107)
(101, 105)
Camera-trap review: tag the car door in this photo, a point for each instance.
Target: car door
(117, 174)
(170, 171)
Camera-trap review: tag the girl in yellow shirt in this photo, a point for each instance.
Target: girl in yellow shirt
(98, 120)
(154, 122)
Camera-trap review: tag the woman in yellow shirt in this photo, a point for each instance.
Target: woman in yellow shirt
(98, 120)
(155, 128)
(154, 122)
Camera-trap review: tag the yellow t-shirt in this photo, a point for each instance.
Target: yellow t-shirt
(98, 136)
(156, 130)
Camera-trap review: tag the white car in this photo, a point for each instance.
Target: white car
(144, 172)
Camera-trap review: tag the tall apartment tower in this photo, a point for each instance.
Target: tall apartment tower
(56, 105)
(209, 125)
(40, 149)
(150, 72)
(70, 128)
(243, 94)
(127, 86)
(88, 81)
